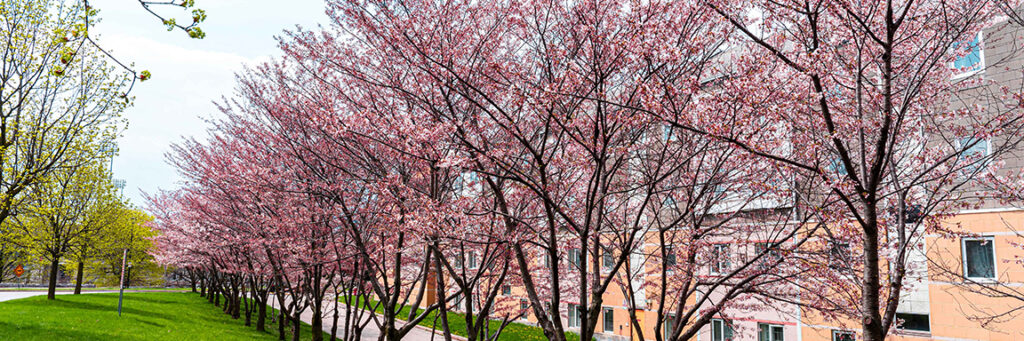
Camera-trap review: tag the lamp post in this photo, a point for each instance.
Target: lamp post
(120, 298)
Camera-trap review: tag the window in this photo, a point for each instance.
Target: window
(669, 326)
(721, 330)
(719, 259)
(666, 133)
(607, 260)
(973, 59)
(506, 290)
(670, 257)
(458, 262)
(840, 335)
(575, 320)
(609, 320)
(914, 322)
(772, 256)
(837, 167)
(524, 305)
(979, 258)
(838, 255)
(972, 154)
(668, 203)
(575, 258)
(769, 332)
(467, 184)
(913, 214)
(471, 259)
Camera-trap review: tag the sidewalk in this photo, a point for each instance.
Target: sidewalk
(371, 332)
(13, 295)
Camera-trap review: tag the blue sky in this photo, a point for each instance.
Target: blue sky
(188, 74)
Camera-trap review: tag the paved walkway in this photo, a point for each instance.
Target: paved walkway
(16, 294)
(371, 332)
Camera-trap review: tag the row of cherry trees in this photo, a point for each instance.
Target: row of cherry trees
(699, 156)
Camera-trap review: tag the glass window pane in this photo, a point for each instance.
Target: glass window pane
(842, 336)
(972, 60)
(668, 327)
(777, 333)
(609, 320)
(762, 332)
(980, 259)
(572, 315)
(918, 322)
(608, 260)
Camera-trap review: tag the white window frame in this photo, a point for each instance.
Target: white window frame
(605, 312)
(771, 327)
(901, 329)
(722, 325)
(720, 263)
(981, 60)
(575, 258)
(836, 333)
(984, 163)
(471, 259)
(670, 252)
(575, 320)
(524, 305)
(668, 327)
(963, 257)
(668, 132)
(607, 260)
(836, 260)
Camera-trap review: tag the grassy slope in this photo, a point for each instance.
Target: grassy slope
(457, 323)
(95, 289)
(146, 316)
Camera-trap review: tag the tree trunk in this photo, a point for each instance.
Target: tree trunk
(261, 315)
(202, 287)
(334, 324)
(297, 327)
(872, 322)
(78, 278)
(248, 309)
(51, 291)
(280, 316)
(318, 322)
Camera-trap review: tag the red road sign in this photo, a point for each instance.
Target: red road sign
(18, 271)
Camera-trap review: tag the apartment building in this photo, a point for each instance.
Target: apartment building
(959, 286)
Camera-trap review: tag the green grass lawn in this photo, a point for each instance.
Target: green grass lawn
(95, 289)
(457, 323)
(146, 316)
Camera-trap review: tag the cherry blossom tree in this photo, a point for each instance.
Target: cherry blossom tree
(866, 104)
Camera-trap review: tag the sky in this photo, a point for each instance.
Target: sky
(188, 75)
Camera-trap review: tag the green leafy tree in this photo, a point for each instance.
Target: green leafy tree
(130, 231)
(61, 96)
(59, 213)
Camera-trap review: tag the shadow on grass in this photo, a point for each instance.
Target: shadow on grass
(34, 332)
(150, 299)
(125, 309)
